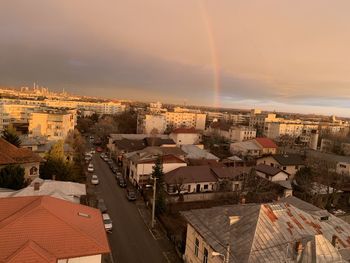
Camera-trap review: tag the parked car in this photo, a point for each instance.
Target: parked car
(94, 180)
(107, 222)
(102, 155)
(99, 149)
(114, 168)
(105, 158)
(117, 176)
(131, 194)
(122, 182)
(91, 168)
(101, 205)
(92, 151)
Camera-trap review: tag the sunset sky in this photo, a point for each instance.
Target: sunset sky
(285, 55)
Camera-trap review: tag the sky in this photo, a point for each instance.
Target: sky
(283, 55)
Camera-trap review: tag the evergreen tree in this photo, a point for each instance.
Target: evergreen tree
(11, 136)
(160, 191)
(12, 177)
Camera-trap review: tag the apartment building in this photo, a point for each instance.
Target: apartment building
(52, 124)
(16, 115)
(147, 124)
(241, 133)
(258, 120)
(187, 119)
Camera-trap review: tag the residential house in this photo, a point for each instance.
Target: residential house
(193, 152)
(289, 163)
(138, 165)
(205, 178)
(343, 168)
(12, 155)
(247, 148)
(183, 136)
(47, 229)
(272, 232)
(267, 145)
(68, 191)
(271, 173)
(190, 179)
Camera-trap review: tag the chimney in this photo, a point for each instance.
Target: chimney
(54, 177)
(36, 186)
(242, 200)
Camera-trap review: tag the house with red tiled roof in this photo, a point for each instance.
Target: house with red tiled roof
(47, 229)
(268, 146)
(183, 136)
(12, 155)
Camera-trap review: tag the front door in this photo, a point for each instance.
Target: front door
(198, 188)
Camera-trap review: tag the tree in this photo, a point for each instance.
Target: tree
(56, 165)
(11, 136)
(12, 176)
(160, 191)
(126, 122)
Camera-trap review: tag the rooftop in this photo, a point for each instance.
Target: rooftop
(266, 142)
(10, 154)
(270, 232)
(47, 228)
(269, 170)
(194, 152)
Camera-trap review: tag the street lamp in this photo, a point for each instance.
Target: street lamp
(226, 257)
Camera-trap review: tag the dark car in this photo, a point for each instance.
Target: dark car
(102, 206)
(114, 168)
(122, 182)
(117, 176)
(131, 194)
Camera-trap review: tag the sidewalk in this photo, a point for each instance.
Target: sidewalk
(158, 233)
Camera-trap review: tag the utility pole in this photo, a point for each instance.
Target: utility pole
(227, 257)
(154, 200)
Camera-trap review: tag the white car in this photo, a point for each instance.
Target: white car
(94, 179)
(107, 222)
(91, 168)
(92, 151)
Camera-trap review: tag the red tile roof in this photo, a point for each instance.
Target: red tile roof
(185, 130)
(45, 229)
(266, 142)
(10, 154)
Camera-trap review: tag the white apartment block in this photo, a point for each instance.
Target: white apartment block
(241, 133)
(187, 119)
(53, 124)
(148, 124)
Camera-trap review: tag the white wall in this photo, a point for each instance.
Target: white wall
(278, 177)
(87, 259)
(185, 138)
(291, 169)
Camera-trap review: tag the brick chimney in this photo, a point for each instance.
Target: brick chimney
(36, 186)
(54, 177)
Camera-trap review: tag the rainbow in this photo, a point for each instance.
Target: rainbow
(213, 52)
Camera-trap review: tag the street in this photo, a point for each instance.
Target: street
(131, 241)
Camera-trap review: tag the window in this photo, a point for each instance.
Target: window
(205, 256)
(189, 188)
(33, 171)
(205, 187)
(297, 167)
(284, 168)
(196, 247)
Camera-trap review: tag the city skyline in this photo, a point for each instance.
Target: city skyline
(227, 54)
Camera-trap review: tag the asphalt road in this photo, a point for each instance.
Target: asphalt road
(131, 241)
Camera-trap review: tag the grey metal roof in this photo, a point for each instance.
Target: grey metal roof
(269, 232)
(194, 152)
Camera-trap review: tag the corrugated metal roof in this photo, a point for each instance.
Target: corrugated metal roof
(269, 232)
